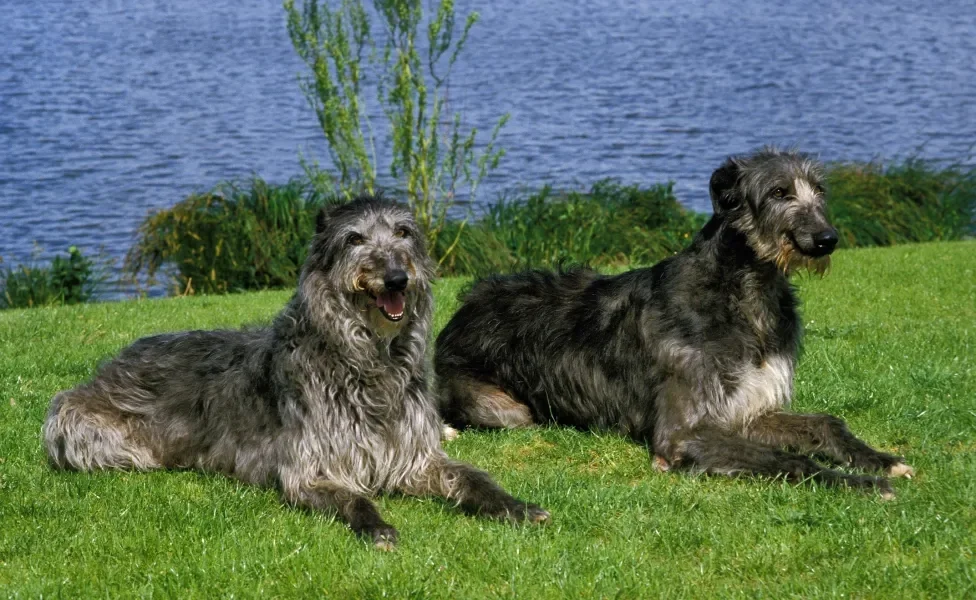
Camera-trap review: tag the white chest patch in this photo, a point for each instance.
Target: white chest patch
(759, 390)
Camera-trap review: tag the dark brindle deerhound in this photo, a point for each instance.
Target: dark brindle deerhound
(693, 357)
(330, 403)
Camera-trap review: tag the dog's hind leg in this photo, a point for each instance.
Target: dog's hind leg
(717, 452)
(468, 402)
(473, 490)
(354, 508)
(826, 435)
(78, 435)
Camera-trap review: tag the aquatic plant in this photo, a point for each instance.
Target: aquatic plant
(253, 234)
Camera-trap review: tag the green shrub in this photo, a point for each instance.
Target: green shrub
(68, 280)
(872, 205)
(611, 225)
(232, 238)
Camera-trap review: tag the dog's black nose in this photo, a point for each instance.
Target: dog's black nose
(826, 240)
(396, 281)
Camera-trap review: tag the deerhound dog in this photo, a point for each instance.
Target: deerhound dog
(693, 357)
(330, 403)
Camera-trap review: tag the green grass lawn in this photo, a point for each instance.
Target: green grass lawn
(890, 346)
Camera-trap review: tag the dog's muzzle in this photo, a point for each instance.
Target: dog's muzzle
(392, 300)
(815, 245)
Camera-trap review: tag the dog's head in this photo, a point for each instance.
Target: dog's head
(777, 199)
(372, 254)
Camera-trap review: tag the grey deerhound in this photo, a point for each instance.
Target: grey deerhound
(693, 357)
(330, 403)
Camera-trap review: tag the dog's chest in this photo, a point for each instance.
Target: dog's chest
(357, 439)
(751, 390)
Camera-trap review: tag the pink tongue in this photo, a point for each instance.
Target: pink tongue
(391, 302)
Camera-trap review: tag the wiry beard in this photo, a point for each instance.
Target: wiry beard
(789, 260)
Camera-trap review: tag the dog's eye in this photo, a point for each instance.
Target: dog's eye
(401, 232)
(354, 239)
(819, 189)
(779, 193)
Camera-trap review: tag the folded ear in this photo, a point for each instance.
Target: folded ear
(722, 186)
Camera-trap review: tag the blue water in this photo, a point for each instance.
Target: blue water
(109, 109)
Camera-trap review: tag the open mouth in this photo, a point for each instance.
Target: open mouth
(390, 304)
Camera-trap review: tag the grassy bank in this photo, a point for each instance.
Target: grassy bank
(891, 336)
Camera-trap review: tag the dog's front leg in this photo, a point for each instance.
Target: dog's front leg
(715, 451)
(473, 490)
(827, 435)
(355, 509)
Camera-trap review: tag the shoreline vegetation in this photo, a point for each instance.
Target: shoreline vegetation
(253, 235)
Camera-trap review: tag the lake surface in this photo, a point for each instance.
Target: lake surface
(109, 109)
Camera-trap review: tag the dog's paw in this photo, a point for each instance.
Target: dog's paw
(900, 469)
(884, 489)
(448, 433)
(877, 462)
(523, 512)
(385, 538)
(661, 464)
(536, 514)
